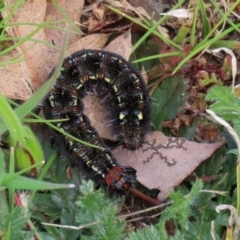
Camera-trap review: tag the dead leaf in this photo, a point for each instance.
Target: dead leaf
(99, 115)
(208, 132)
(73, 10)
(99, 13)
(163, 162)
(139, 10)
(35, 54)
(93, 41)
(14, 78)
(121, 45)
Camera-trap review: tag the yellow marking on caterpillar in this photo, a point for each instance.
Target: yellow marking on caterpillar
(107, 80)
(80, 85)
(114, 58)
(121, 116)
(75, 102)
(84, 55)
(134, 76)
(51, 100)
(94, 168)
(93, 77)
(115, 88)
(140, 116)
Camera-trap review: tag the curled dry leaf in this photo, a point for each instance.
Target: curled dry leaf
(163, 162)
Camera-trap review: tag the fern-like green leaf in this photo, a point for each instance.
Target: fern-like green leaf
(148, 233)
(180, 210)
(94, 206)
(225, 103)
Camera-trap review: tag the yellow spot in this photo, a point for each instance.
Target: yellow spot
(114, 58)
(80, 85)
(74, 102)
(94, 168)
(134, 76)
(115, 88)
(75, 150)
(93, 77)
(121, 116)
(140, 116)
(107, 80)
(51, 100)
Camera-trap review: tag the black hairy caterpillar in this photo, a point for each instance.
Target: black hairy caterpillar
(111, 77)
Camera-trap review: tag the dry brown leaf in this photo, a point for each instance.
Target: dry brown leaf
(93, 41)
(30, 12)
(14, 78)
(99, 115)
(163, 162)
(121, 45)
(139, 11)
(97, 16)
(73, 9)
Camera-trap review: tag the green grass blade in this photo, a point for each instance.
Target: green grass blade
(226, 43)
(20, 182)
(169, 54)
(205, 22)
(194, 27)
(202, 46)
(1, 166)
(11, 121)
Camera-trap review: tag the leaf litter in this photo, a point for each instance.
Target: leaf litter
(163, 162)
